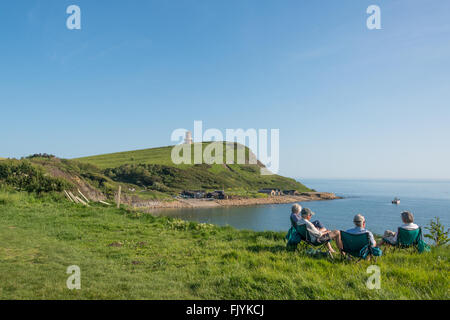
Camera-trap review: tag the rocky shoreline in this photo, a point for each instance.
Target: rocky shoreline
(240, 202)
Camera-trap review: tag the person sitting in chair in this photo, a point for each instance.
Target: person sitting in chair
(316, 230)
(360, 227)
(390, 237)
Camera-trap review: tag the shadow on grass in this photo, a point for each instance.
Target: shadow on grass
(265, 248)
(303, 252)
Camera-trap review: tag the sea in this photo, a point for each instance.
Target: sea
(426, 199)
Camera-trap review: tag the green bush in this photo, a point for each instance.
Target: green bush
(24, 176)
(141, 175)
(41, 155)
(437, 233)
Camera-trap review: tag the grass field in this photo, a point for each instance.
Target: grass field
(128, 255)
(146, 156)
(150, 173)
(161, 155)
(231, 175)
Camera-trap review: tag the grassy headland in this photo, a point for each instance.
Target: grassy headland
(144, 175)
(156, 165)
(128, 255)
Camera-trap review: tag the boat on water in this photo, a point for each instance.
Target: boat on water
(396, 201)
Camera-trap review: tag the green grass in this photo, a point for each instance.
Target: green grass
(236, 178)
(162, 258)
(146, 156)
(161, 155)
(143, 174)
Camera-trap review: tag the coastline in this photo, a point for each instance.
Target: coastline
(239, 202)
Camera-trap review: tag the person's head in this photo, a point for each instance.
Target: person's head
(359, 221)
(296, 208)
(407, 217)
(306, 213)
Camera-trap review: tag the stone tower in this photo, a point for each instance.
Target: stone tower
(188, 139)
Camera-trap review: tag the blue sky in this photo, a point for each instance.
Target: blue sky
(349, 102)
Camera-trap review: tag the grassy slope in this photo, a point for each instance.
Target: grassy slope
(234, 176)
(177, 260)
(147, 156)
(161, 155)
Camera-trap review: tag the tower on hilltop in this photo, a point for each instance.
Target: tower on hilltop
(188, 139)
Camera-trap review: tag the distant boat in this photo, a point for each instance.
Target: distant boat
(396, 201)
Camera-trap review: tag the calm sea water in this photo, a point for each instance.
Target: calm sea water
(372, 198)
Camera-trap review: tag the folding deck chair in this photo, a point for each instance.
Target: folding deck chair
(409, 239)
(358, 245)
(299, 233)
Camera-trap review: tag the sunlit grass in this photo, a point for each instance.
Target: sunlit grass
(129, 255)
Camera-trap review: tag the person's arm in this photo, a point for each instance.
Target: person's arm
(372, 239)
(313, 230)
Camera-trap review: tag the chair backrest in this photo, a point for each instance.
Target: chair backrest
(301, 230)
(408, 238)
(353, 243)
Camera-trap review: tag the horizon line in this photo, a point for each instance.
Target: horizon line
(373, 179)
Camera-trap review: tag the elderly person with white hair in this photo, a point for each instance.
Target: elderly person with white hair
(316, 230)
(390, 237)
(360, 227)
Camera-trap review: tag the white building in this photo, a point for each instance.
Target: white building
(188, 139)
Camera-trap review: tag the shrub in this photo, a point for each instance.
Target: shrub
(437, 233)
(41, 155)
(24, 176)
(155, 177)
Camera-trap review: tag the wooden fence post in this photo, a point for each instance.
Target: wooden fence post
(118, 196)
(85, 198)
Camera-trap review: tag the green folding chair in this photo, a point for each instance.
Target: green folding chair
(292, 238)
(306, 237)
(358, 245)
(410, 239)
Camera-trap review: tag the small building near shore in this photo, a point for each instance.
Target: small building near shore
(291, 192)
(271, 192)
(194, 194)
(218, 194)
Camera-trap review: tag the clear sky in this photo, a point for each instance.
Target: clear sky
(349, 102)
